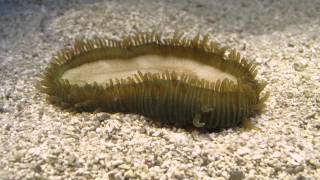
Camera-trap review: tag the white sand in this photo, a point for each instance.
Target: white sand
(39, 140)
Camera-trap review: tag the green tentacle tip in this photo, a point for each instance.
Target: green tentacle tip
(206, 109)
(196, 121)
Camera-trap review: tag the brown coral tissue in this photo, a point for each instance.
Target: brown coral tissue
(185, 82)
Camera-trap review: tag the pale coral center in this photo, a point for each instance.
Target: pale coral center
(103, 70)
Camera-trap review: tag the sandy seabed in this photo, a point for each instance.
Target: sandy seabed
(39, 141)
